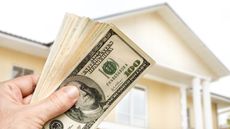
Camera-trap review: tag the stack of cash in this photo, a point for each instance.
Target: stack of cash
(99, 60)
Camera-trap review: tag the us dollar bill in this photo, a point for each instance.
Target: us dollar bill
(103, 76)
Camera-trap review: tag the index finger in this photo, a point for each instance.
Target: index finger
(26, 84)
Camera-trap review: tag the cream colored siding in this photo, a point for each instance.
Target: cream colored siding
(9, 58)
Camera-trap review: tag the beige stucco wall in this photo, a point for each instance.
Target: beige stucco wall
(215, 116)
(158, 39)
(163, 105)
(9, 58)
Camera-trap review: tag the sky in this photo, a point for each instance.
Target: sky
(41, 19)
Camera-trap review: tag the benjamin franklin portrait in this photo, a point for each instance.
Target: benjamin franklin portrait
(89, 107)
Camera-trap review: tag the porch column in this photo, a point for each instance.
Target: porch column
(184, 108)
(207, 105)
(196, 84)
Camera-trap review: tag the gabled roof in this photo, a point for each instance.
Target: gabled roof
(222, 101)
(183, 30)
(167, 13)
(22, 44)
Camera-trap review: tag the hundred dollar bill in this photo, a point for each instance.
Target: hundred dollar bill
(104, 75)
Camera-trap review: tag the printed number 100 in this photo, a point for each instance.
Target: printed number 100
(136, 63)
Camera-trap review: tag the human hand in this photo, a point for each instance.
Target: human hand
(16, 112)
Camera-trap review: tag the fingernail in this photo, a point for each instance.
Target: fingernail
(72, 91)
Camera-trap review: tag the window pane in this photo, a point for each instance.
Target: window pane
(124, 105)
(139, 102)
(28, 71)
(123, 110)
(123, 118)
(17, 71)
(132, 108)
(138, 122)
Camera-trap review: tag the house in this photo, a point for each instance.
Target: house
(173, 95)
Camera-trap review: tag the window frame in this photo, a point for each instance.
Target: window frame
(131, 114)
(23, 70)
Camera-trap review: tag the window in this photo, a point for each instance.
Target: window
(132, 108)
(188, 118)
(19, 71)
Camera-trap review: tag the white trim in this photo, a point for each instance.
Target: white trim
(193, 41)
(184, 121)
(222, 102)
(125, 14)
(223, 111)
(24, 46)
(197, 104)
(183, 72)
(172, 76)
(207, 105)
(163, 80)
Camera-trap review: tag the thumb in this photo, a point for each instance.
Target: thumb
(57, 103)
